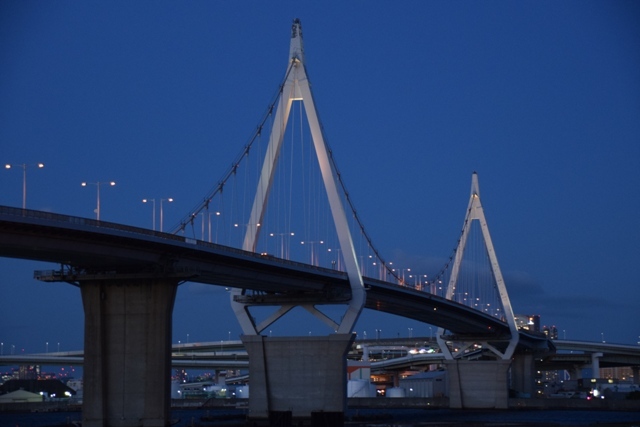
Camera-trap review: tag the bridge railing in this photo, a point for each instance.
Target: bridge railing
(87, 222)
(75, 220)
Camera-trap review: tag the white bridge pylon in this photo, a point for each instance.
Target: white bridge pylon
(297, 88)
(475, 212)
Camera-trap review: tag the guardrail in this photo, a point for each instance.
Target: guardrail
(92, 223)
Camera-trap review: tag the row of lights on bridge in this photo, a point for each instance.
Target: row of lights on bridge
(98, 184)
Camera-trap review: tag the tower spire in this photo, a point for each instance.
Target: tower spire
(296, 48)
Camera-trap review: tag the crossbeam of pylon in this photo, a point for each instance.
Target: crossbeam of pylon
(475, 212)
(297, 88)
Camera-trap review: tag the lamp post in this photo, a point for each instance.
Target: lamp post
(417, 280)
(161, 215)
(209, 217)
(313, 253)
(153, 220)
(282, 251)
(24, 179)
(153, 201)
(98, 184)
(337, 264)
(403, 270)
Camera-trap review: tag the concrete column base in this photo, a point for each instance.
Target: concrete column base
(127, 352)
(303, 375)
(523, 374)
(478, 384)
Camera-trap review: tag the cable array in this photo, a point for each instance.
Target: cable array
(281, 218)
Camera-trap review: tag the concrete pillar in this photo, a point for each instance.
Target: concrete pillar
(523, 372)
(575, 373)
(127, 352)
(303, 375)
(475, 384)
(595, 365)
(635, 370)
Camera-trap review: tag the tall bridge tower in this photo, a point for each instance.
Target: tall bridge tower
(482, 382)
(298, 374)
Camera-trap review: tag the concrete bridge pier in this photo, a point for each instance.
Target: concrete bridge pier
(595, 365)
(523, 373)
(127, 352)
(478, 384)
(575, 373)
(304, 377)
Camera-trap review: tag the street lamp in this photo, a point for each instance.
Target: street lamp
(417, 280)
(282, 251)
(209, 217)
(313, 253)
(24, 179)
(153, 220)
(161, 216)
(403, 270)
(98, 184)
(337, 264)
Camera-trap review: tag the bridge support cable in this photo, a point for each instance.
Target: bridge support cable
(229, 174)
(475, 212)
(297, 88)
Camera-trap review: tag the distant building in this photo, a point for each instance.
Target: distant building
(528, 322)
(20, 396)
(29, 372)
(51, 388)
(426, 384)
(551, 332)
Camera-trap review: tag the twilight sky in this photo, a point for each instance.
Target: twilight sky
(542, 99)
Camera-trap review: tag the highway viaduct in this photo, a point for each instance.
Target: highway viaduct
(128, 278)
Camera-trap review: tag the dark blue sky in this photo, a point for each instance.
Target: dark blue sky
(541, 98)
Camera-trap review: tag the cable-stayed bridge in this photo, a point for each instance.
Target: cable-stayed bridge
(282, 232)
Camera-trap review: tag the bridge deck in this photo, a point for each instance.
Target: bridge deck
(102, 248)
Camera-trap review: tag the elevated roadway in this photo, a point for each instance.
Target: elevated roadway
(232, 355)
(99, 249)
